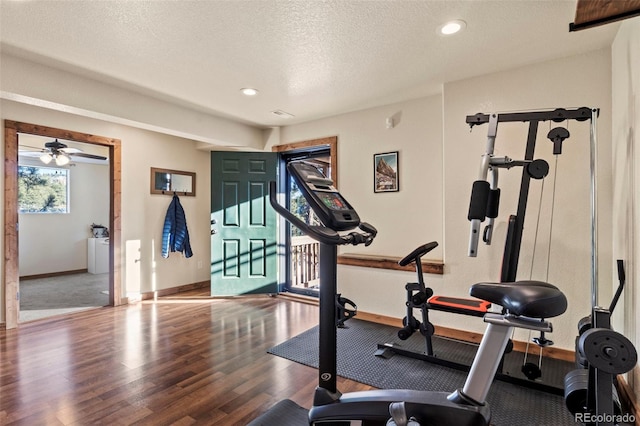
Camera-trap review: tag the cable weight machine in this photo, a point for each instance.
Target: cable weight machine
(485, 195)
(484, 203)
(601, 353)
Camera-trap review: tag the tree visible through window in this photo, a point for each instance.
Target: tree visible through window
(43, 189)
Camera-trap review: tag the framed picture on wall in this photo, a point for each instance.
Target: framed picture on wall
(385, 172)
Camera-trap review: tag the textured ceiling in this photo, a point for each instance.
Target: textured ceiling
(309, 58)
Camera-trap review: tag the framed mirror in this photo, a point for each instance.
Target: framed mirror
(168, 182)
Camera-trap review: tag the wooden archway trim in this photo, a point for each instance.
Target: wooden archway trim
(11, 253)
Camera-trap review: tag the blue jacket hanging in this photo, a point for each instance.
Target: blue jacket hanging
(175, 236)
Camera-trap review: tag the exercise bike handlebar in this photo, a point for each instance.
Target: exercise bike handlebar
(323, 234)
(417, 253)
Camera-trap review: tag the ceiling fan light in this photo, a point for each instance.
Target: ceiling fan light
(46, 158)
(62, 160)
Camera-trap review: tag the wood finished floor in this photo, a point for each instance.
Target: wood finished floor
(181, 360)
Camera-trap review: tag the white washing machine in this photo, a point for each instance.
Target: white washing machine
(98, 255)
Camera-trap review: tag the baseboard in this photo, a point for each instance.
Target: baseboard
(380, 319)
(174, 290)
(309, 300)
(469, 336)
(53, 274)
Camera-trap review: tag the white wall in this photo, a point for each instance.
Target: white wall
(143, 213)
(438, 168)
(626, 172)
(58, 242)
(30, 82)
(405, 219)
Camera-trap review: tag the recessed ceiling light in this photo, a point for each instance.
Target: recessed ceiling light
(249, 91)
(452, 27)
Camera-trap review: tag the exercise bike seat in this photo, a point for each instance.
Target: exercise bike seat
(533, 299)
(417, 253)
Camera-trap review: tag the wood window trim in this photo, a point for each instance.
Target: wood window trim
(11, 254)
(331, 142)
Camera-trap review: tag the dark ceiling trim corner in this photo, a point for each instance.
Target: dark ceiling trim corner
(593, 13)
(598, 22)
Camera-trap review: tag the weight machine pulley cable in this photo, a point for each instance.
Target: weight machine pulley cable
(535, 238)
(542, 339)
(594, 207)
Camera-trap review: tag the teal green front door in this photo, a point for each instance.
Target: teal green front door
(243, 224)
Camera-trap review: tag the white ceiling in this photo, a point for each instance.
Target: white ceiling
(309, 58)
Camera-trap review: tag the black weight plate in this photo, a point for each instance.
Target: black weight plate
(427, 329)
(576, 385)
(608, 350)
(584, 324)
(532, 371)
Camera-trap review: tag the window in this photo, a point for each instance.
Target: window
(43, 190)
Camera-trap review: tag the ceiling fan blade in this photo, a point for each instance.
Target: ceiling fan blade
(34, 154)
(34, 148)
(82, 154)
(69, 150)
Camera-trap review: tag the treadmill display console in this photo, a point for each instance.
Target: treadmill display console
(324, 199)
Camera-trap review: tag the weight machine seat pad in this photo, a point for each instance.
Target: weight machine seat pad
(534, 299)
(459, 305)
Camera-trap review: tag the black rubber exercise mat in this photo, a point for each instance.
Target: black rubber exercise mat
(284, 413)
(511, 405)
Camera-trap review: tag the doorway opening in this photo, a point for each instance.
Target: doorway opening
(303, 256)
(11, 255)
(299, 262)
(63, 197)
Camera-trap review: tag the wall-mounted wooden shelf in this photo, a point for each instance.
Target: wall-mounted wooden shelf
(388, 262)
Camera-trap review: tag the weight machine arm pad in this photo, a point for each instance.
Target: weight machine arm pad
(493, 203)
(478, 205)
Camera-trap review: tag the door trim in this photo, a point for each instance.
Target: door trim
(10, 280)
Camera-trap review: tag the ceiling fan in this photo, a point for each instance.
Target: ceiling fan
(58, 152)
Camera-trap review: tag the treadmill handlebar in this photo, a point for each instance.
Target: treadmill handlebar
(322, 233)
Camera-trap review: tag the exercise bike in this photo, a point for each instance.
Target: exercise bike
(525, 304)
